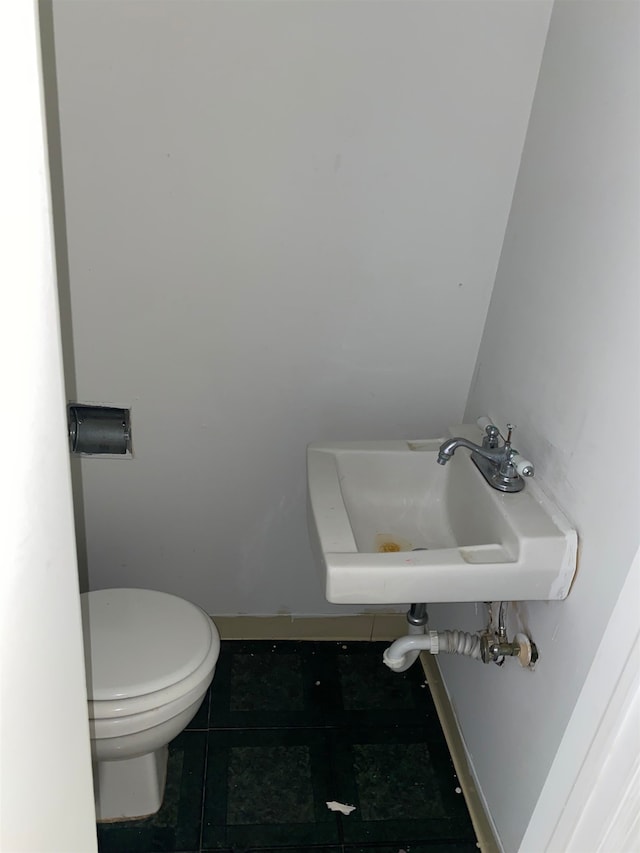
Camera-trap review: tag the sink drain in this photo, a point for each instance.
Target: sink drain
(388, 547)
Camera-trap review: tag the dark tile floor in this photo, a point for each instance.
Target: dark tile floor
(288, 726)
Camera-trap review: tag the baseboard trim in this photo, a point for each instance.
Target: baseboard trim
(485, 834)
(366, 626)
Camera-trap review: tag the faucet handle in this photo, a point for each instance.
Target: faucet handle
(490, 440)
(522, 465)
(492, 433)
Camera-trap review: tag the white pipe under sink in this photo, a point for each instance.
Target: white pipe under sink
(401, 662)
(402, 653)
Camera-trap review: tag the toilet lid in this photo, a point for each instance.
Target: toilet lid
(138, 641)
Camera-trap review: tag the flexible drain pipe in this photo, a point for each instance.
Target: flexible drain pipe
(402, 653)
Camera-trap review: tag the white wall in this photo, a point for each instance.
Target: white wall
(46, 793)
(284, 222)
(559, 357)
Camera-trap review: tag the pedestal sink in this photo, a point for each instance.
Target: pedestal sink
(388, 525)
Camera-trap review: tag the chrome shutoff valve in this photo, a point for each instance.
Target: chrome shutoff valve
(494, 649)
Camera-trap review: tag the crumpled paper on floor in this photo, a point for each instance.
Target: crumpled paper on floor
(340, 807)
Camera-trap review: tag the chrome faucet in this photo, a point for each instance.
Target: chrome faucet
(502, 466)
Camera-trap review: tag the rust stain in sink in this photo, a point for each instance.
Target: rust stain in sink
(388, 544)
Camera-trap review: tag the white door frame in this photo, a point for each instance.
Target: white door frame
(590, 802)
(46, 793)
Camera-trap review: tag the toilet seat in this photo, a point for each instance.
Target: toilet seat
(102, 726)
(143, 649)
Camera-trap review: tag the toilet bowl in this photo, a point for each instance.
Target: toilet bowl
(150, 658)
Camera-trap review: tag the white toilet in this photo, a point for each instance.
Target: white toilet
(150, 658)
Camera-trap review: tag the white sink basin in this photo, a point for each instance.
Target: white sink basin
(372, 503)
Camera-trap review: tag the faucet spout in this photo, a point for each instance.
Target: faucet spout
(497, 465)
(448, 448)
